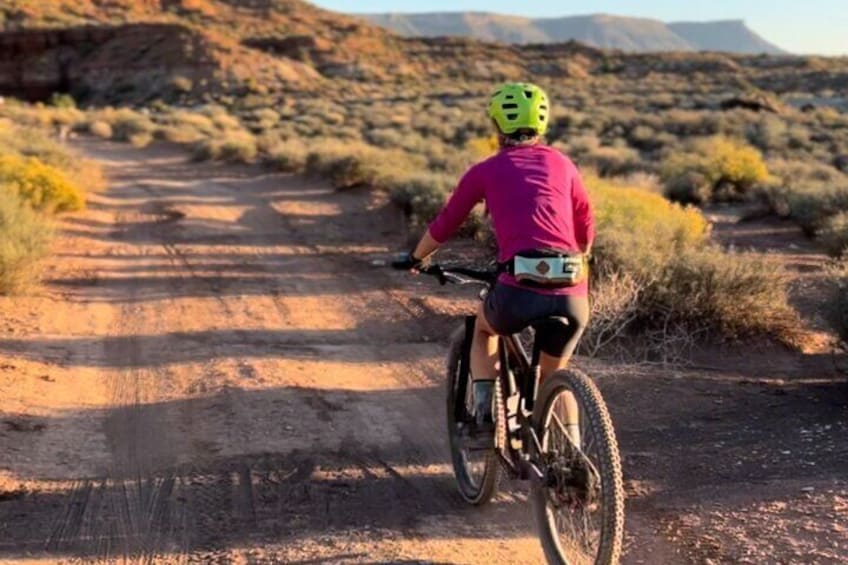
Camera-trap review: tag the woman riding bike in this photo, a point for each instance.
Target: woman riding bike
(544, 229)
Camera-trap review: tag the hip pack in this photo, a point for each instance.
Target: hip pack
(548, 267)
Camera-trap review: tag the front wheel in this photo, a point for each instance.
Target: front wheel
(477, 471)
(579, 507)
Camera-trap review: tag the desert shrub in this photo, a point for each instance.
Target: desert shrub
(127, 123)
(647, 138)
(580, 145)
(833, 233)
(384, 137)
(420, 196)
(181, 135)
(689, 123)
(288, 156)
(615, 307)
(196, 122)
(182, 84)
(237, 146)
(225, 121)
(613, 161)
(716, 168)
(482, 147)
(799, 173)
(42, 186)
(730, 295)
(265, 118)
(141, 139)
(100, 129)
(350, 164)
(799, 137)
(84, 174)
(837, 299)
(641, 230)
(60, 100)
(185, 127)
(769, 133)
(24, 239)
(812, 207)
(667, 277)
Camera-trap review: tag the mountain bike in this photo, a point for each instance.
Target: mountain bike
(577, 490)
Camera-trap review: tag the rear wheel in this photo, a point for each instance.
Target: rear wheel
(477, 470)
(579, 509)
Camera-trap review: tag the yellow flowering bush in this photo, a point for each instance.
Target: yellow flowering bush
(24, 239)
(482, 147)
(44, 187)
(714, 168)
(676, 275)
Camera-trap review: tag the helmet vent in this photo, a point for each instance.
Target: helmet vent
(511, 106)
(512, 117)
(528, 94)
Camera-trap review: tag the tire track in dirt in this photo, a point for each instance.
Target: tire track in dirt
(267, 398)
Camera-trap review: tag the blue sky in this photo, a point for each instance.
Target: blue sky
(800, 26)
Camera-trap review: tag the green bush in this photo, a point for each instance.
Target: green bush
(24, 239)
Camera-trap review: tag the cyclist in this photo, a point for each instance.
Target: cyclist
(544, 228)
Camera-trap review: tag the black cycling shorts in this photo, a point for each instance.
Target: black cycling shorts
(510, 309)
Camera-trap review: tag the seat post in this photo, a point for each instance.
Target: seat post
(531, 383)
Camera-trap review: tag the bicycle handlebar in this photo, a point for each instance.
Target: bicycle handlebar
(460, 275)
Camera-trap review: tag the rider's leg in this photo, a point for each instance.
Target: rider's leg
(569, 409)
(557, 352)
(484, 349)
(484, 367)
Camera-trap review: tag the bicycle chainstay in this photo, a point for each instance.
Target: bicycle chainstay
(511, 458)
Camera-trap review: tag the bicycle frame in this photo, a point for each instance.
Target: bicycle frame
(519, 379)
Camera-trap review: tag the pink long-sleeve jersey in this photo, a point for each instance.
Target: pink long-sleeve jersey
(536, 199)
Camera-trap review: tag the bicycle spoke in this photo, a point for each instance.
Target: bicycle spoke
(578, 508)
(579, 533)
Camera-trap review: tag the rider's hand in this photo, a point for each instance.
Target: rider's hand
(406, 262)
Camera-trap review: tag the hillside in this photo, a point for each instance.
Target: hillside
(599, 30)
(731, 35)
(185, 51)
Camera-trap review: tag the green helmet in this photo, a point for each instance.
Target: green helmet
(520, 105)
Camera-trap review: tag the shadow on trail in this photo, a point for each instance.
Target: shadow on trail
(388, 343)
(176, 486)
(311, 464)
(692, 432)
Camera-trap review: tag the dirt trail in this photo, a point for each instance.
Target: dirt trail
(213, 372)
